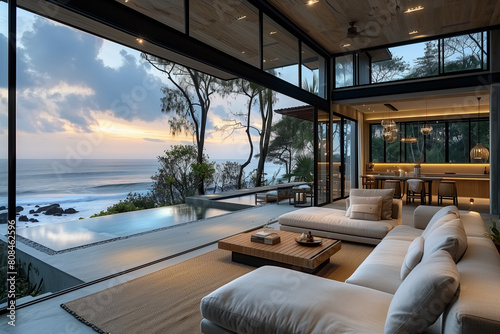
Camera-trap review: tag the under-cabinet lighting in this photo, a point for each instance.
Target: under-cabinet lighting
(413, 9)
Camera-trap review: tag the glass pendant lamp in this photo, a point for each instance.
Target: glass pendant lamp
(479, 153)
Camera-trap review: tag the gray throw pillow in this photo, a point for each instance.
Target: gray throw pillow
(450, 237)
(438, 216)
(423, 295)
(413, 256)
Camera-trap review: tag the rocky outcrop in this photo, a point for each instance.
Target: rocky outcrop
(23, 218)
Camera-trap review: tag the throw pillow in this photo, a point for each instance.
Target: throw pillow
(413, 256)
(437, 223)
(450, 237)
(355, 200)
(387, 197)
(423, 295)
(444, 211)
(366, 211)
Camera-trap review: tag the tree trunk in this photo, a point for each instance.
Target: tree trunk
(265, 136)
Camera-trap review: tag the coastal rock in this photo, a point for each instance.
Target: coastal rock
(23, 218)
(36, 214)
(46, 208)
(3, 218)
(37, 206)
(33, 220)
(3, 207)
(58, 214)
(32, 211)
(70, 211)
(54, 211)
(19, 208)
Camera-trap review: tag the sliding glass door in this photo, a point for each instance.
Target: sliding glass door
(350, 167)
(337, 143)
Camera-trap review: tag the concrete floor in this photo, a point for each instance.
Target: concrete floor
(49, 317)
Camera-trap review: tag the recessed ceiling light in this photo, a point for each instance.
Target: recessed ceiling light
(139, 40)
(242, 51)
(273, 32)
(413, 9)
(312, 2)
(346, 45)
(241, 17)
(413, 32)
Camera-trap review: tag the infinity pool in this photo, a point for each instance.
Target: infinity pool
(62, 236)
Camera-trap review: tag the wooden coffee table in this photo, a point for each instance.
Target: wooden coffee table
(287, 253)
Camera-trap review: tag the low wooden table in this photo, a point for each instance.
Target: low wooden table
(287, 253)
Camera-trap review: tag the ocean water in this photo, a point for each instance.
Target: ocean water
(87, 185)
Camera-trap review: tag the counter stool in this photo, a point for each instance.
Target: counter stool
(447, 190)
(415, 189)
(394, 184)
(368, 182)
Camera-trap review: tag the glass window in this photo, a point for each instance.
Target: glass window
(232, 27)
(483, 128)
(393, 151)
(313, 71)
(435, 150)
(344, 74)
(458, 141)
(463, 52)
(413, 152)
(281, 52)
(169, 12)
(323, 157)
(377, 143)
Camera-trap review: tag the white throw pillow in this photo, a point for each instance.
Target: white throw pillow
(356, 200)
(413, 256)
(438, 216)
(423, 295)
(366, 211)
(437, 223)
(387, 197)
(450, 237)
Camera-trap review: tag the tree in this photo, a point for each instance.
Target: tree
(428, 65)
(290, 136)
(179, 175)
(264, 98)
(388, 70)
(189, 99)
(226, 175)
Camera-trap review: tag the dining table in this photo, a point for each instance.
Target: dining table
(379, 178)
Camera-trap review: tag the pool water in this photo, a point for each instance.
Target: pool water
(62, 236)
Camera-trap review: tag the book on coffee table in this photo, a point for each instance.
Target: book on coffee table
(267, 238)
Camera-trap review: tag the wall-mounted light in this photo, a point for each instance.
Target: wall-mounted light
(413, 9)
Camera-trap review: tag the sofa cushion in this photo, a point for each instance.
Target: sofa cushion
(365, 211)
(437, 223)
(374, 201)
(386, 194)
(450, 237)
(404, 232)
(381, 270)
(449, 211)
(335, 221)
(276, 300)
(413, 256)
(423, 295)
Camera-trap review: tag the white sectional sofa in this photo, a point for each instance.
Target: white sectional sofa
(340, 224)
(435, 296)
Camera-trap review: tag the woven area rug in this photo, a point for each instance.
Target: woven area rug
(168, 300)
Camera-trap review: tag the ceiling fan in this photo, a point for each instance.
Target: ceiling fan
(352, 31)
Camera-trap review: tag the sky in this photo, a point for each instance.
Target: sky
(79, 96)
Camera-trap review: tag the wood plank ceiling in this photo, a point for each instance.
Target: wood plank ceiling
(382, 22)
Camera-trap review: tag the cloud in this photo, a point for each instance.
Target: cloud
(154, 140)
(61, 79)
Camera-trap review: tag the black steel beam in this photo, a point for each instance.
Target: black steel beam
(127, 20)
(426, 85)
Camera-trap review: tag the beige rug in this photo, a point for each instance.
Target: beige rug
(168, 300)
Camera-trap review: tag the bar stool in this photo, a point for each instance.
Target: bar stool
(415, 189)
(368, 182)
(396, 185)
(447, 190)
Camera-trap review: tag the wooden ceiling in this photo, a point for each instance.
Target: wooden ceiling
(382, 22)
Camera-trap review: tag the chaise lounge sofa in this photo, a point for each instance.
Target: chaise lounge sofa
(349, 225)
(440, 275)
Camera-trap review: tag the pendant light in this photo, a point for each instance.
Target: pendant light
(390, 129)
(426, 129)
(479, 153)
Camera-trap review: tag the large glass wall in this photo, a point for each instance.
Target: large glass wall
(336, 157)
(323, 158)
(344, 71)
(350, 158)
(3, 151)
(449, 141)
(280, 51)
(313, 71)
